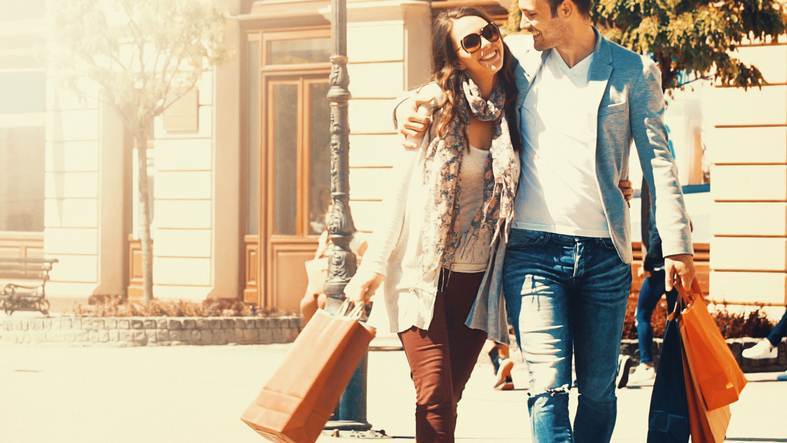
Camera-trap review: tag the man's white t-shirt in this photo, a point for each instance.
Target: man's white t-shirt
(559, 191)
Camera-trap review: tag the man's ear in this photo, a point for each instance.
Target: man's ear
(566, 8)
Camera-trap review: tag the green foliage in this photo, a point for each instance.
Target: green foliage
(731, 324)
(739, 324)
(514, 19)
(695, 37)
(117, 306)
(145, 54)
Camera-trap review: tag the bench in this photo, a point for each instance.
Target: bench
(23, 284)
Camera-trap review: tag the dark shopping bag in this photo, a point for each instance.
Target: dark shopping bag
(302, 394)
(668, 419)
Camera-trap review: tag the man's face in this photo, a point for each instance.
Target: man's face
(537, 19)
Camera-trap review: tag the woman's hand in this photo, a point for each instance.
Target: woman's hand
(362, 286)
(627, 190)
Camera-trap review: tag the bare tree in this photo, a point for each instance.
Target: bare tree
(144, 55)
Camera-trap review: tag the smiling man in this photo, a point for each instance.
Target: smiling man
(566, 275)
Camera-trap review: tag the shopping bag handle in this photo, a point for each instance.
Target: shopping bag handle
(685, 299)
(349, 309)
(679, 306)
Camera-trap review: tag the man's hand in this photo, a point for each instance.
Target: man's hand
(679, 273)
(627, 190)
(415, 115)
(362, 286)
(412, 124)
(641, 272)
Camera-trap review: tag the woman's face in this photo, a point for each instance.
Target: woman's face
(484, 58)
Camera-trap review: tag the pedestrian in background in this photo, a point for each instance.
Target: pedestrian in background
(651, 291)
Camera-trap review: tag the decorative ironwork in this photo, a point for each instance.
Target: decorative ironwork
(350, 413)
(342, 262)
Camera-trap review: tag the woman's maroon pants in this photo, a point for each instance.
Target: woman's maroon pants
(442, 358)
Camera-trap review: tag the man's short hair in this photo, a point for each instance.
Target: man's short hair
(582, 5)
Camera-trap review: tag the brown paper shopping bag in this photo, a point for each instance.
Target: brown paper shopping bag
(299, 398)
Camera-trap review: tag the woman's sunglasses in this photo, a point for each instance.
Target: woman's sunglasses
(472, 42)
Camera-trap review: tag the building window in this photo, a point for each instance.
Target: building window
(22, 116)
(252, 137)
(14, 10)
(298, 139)
(297, 51)
(23, 92)
(22, 179)
(287, 132)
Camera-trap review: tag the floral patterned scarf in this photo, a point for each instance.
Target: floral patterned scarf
(443, 160)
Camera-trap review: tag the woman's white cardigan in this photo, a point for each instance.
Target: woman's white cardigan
(406, 297)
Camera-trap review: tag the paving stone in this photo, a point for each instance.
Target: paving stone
(151, 335)
(140, 338)
(125, 336)
(162, 336)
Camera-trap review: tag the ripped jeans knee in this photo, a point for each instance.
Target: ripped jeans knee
(552, 392)
(549, 415)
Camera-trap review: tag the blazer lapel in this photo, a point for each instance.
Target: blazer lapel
(528, 60)
(535, 64)
(600, 70)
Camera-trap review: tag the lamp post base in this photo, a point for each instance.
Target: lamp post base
(347, 425)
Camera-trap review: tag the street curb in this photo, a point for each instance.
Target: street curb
(149, 331)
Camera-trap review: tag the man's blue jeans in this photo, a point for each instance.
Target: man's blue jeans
(567, 298)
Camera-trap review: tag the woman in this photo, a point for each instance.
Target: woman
(450, 201)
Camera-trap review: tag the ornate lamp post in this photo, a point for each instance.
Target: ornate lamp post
(351, 412)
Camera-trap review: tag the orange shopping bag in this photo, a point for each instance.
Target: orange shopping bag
(706, 426)
(302, 394)
(716, 373)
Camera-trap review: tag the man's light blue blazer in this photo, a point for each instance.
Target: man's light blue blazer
(630, 109)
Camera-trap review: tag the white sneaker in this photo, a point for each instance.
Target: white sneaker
(643, 374)
(763, 349)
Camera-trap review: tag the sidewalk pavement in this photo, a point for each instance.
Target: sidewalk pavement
(196, 394)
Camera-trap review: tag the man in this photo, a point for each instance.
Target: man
(566, 273)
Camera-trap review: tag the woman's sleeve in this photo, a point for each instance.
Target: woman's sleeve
(387, 233)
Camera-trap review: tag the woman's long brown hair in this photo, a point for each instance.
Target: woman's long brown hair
(446, 72)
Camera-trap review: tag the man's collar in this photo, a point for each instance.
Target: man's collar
(601, 53)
